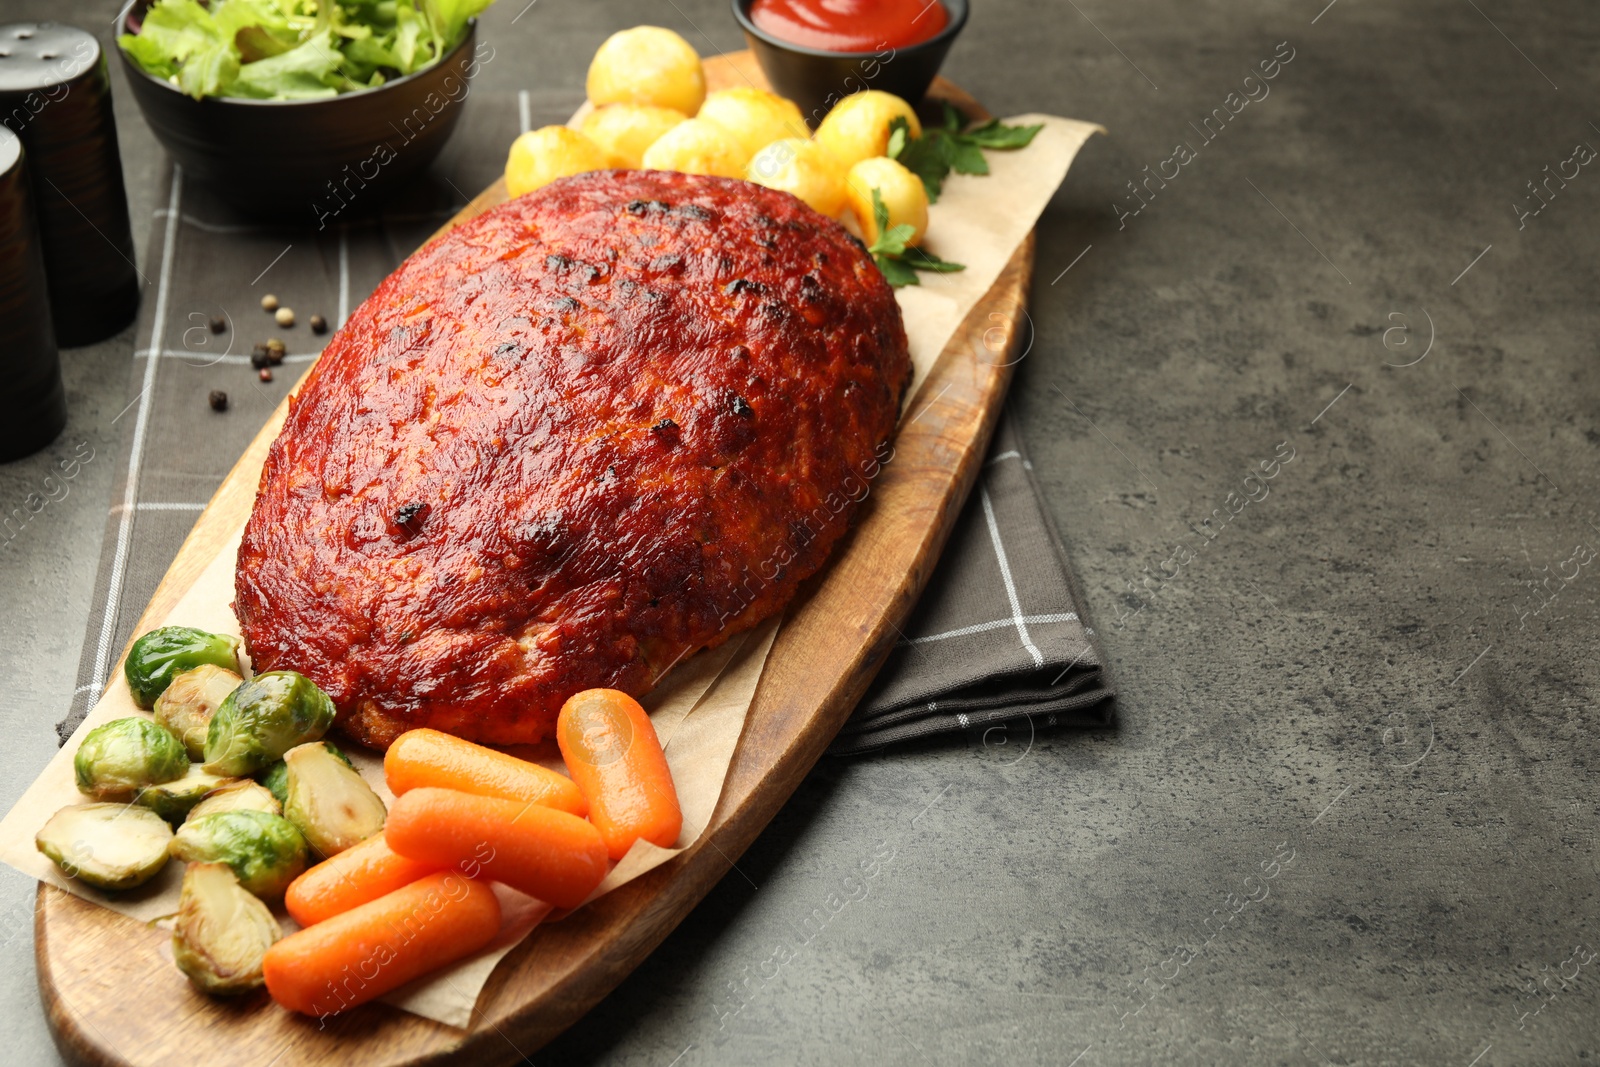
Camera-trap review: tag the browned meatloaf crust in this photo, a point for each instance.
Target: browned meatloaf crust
(568, 443)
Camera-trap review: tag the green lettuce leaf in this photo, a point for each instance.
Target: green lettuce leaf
(255, 43)
(181, 39)
(179, 28)
(151, 55)
(305, 72)
(455, 14)
(209, 71)
(412, 39)
(294, 49)
(231, 16)
(363, 58)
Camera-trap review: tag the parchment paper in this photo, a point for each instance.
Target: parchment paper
(980, 221)
(700, 707)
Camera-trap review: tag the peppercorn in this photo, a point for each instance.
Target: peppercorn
(275, 351)
(269, 303)
(266, 374)
(218, 400)
(319, 324)
(218, 324)
(260, 356)
(285, 316)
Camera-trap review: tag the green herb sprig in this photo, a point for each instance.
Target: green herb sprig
(898, 260)
(940, 150)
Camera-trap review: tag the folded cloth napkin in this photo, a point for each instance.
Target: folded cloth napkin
(214, 265)
(997, 637)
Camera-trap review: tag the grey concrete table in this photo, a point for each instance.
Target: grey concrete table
(1348, 812)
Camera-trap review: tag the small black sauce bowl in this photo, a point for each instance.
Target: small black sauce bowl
(316, 162)
(816, 80)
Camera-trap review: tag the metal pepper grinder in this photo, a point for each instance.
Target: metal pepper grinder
(55, 94)
(35, 406)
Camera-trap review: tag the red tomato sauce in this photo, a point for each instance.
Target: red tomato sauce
(850, 25)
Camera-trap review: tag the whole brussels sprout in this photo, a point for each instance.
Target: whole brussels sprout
(173, 800)
(277, 777)
(221, 935)
(121, 757)
(239, 794)
(329, 801)
(109, 846)
(189, 702)
(161, 655)
(266, 851)
(264, 718)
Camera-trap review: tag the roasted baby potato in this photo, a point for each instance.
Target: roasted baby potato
(901, 192)
(754, 116)
(624, 131)
(267, 852)
(647, 65)
(161, 655)
(188, 703)
(541, 156)
(109, 846)
(698, 146)
(329, 801)
(222, 933)
(802, 167)
(858, 126)
(121, 757)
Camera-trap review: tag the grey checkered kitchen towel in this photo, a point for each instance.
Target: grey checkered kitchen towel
(997, 636)
(1003, 649)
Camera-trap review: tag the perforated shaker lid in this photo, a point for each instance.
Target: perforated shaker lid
(37, 55)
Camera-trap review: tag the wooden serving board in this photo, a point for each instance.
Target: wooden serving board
(113, 997)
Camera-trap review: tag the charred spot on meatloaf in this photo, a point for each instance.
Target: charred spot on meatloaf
(565, 445)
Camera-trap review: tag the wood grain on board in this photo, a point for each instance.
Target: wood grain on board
(110, 989)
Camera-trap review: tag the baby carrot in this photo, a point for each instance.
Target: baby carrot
(431, 758)
(364, 872)
(381, 945)
(549, 854)
(612, 753)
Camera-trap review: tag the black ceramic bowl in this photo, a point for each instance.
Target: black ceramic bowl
(816, 80)
(309, 161)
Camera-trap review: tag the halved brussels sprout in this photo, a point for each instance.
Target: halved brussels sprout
(222, 933)
(161, 655)
(189, 702)
(264, 718)
(329, 801)
(277, 777)
(173, 800)
(121, 757)
(240, 794)
(265, 851)
(110, 846)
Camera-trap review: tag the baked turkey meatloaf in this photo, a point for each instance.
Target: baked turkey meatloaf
(565, 445)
